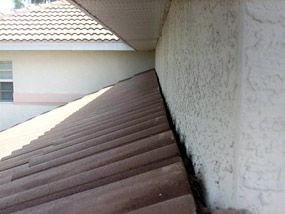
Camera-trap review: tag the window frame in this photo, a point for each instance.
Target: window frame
(7, 80)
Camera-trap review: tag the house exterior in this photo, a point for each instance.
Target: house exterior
(221, 68)
(112, 151)
(54, 53)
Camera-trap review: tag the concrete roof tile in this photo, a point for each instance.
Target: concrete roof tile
(58, 21)
(116, 154)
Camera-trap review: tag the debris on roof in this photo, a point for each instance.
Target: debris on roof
(117, 154)
(58, 21)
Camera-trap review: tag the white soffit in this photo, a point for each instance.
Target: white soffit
(137, 22)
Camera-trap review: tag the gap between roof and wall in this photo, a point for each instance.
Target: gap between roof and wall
(196, 185)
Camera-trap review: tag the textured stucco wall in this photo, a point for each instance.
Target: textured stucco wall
(197, 64)
(222, 70)
(261, 160)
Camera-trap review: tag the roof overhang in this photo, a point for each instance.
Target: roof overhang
(65, 46)
(137, 22)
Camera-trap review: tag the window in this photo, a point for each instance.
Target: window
(6, 82)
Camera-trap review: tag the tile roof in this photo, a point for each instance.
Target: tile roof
(21, 134)
(117, 154)
(58, 21)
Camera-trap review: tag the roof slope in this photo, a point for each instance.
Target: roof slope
(58, 21)
(23, 133)
(117, 155)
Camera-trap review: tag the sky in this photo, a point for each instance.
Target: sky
(6, 5)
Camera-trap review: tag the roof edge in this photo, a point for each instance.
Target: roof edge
(87, 12)
(70, 46)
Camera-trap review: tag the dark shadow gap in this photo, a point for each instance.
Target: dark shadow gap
(196, 184)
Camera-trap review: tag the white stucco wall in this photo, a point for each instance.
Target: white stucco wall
(73, 72)
(261, 163)
(221, 68)
(12, 114)
(197, 64)
(45, 79)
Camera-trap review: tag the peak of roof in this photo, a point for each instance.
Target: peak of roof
(58, 21)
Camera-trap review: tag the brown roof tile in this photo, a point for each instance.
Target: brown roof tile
(115, 155)
(55, 22)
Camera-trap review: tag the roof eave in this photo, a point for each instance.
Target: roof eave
(138, 23)
(65, 46)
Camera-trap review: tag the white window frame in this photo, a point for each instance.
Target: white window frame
(8, 81)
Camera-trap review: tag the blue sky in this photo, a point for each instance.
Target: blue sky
(6, 5)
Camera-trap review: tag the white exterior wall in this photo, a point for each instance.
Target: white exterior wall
(261, 163)
(12, 114)
(46, 79)
(222, 71)
(197, 63)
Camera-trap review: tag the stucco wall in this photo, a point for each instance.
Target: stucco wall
(221, 68)
(50, 78)
(261, 160)
(73, 72)
(11, 114)
(197, 63)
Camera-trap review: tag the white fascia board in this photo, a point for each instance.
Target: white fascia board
(99, 46)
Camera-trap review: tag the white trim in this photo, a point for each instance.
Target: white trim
(99, 46)
(6, 80)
